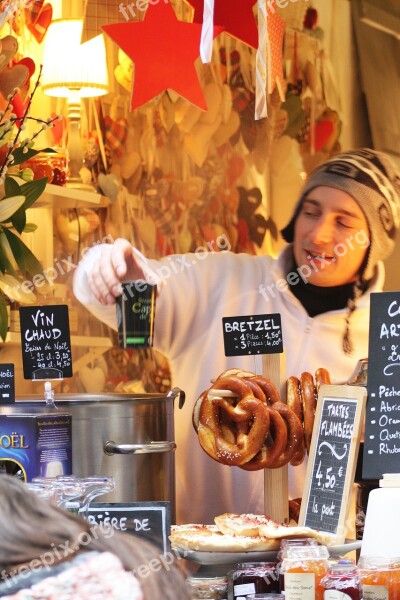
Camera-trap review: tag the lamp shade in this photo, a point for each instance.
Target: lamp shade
(70, 67)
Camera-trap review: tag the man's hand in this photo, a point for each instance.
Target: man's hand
(117, 263)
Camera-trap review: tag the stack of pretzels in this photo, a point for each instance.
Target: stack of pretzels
(241, 420)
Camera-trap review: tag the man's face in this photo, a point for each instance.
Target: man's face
(331, 237)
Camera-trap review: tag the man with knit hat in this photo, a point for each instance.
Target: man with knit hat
(371, 180)
(343, 226)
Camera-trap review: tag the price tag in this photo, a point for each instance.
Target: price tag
(45, 342)
(382, 423)
(257, 334)
(332, 460)
(7, 383)
(150, 520)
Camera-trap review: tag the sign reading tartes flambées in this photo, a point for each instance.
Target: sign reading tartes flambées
(332, 460)
(255, 334)
(382, 423)
(46, 342)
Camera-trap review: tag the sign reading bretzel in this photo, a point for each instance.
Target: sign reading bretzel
(256, 334)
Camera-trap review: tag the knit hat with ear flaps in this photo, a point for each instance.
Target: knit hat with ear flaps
(374, 182)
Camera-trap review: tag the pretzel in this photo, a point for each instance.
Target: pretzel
(250, 416)
(270, 391)
(269, 453)
(322, 377)
(295, 434)
(309, 404)
(293, 400)
(241, 421)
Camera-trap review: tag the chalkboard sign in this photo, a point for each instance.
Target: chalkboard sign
(257, 334)
(149, 520)
(382, 424)
(45, 342)
(332, 460)
(7, 383)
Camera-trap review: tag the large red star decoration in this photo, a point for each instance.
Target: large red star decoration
(164, 51)
(236, 17)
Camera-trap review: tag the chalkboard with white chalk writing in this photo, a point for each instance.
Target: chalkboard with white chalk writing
(45, 342)
(7, 383)
(257, 334)
(332, 461)
(382, 423)
(149, 520)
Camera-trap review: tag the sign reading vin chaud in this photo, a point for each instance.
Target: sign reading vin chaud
(382, 426)
(45, 342)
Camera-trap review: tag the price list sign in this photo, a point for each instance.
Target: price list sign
(333, 454)
(7, 383)
(46, 342)
(257, 334)
(382, 423)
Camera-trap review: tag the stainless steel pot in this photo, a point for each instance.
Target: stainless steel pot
(130, 437)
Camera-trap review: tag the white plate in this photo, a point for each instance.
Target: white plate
(228, 558)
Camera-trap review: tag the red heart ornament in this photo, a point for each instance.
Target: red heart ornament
(28, 62)
(57, 131)
(116, 131)
(33, 10)
(21, 100)
(323, 131)
(42, 22)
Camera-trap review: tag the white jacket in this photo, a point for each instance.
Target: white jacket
(198, 291)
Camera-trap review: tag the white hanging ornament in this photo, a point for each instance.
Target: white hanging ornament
(207, 32)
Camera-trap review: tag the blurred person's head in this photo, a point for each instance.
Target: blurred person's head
(34, 528)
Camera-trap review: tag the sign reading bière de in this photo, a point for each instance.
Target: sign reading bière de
(150, 520)
(45, 342)
(256, 334)
(382, 423)
(332, 460)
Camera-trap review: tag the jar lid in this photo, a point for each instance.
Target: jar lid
(222, 580)
(342, 567)
(306, 552)
(390, 480)
(299, 542)
(378, 562)
(256, 565)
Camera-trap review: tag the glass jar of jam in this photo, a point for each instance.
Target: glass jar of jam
(252, 578)
(380, 578)
(208, 588)
(303, 569)
(290, 543)
(342, 582)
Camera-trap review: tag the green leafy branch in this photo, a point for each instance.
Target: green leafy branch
(17, 262)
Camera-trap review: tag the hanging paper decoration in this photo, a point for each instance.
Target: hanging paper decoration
(263, 51)
(236, 17)
(163, 50)
(207, 31)
(276, 32)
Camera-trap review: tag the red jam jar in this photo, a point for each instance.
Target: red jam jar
(342, 581)
(252, 578)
